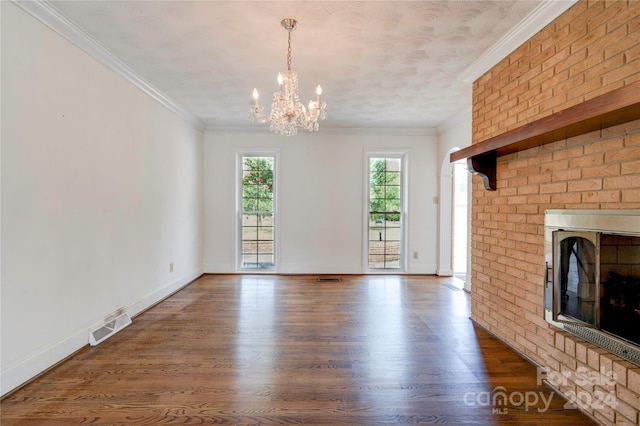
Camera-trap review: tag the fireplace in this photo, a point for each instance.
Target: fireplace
(592, 283)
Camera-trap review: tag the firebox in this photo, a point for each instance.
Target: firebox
(592, 282)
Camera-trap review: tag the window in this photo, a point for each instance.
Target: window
(257, 212)
(385, 212)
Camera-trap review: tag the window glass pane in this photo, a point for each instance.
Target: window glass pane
(393, 178)
(249, 233)
(392, 224)
(385, 210)
(249, 260)
(249, 247)
(257, 223)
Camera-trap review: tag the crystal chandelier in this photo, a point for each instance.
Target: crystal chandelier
(287, 112)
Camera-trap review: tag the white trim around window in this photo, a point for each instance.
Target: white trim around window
(403, 155)
(240, 154)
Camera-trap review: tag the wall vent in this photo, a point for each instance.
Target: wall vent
(109, 329)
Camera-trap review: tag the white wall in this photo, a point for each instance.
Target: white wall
(101, 189)
(321, 197)
(454, 135)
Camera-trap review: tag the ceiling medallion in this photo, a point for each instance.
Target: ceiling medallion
(287, 112)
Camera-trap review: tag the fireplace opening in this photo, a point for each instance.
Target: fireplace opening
(592, 284)
(620, 300)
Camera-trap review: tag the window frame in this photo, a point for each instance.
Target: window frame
(239, 211)
(403, 156)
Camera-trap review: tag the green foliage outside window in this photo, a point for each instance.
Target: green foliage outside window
(257, 184)
(385, 189)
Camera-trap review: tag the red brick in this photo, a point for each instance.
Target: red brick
(622, 182)
(620, 368)
(539, 178)
(627, 17)
(605, 145)
(601, 171)
(568, 153)
(585, 185)
(581, 352)
(632, 140)
(633, 380)
(570, 347)
(588, 38)
(567, 174)
(587, 160)
(627, 396)
(632, 153)
(593, 358)
(629, 167)
(627, 411)
(570, 197)
(619, 74)
(588, 66)
(601, 197)
(553, 187)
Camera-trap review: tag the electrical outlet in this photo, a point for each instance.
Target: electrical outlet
(171, 267)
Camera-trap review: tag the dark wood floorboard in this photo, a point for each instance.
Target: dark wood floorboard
(233, 349)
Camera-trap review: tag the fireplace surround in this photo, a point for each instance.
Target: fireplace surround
(592, 278)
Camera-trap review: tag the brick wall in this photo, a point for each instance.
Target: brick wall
(591, 49)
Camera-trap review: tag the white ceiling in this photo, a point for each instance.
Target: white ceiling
(398, 64)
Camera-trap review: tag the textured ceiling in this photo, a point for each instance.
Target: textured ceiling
(381, 63)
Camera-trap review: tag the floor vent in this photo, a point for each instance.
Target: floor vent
(109, 329)
(329, 279)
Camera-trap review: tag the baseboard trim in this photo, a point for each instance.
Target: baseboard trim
(519, 352)
(36, 364)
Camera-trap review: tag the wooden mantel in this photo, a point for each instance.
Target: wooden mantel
(616, 107)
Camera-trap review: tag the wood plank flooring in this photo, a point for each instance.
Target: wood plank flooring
(266, 349)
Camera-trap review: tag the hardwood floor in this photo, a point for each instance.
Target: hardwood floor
(288, 349)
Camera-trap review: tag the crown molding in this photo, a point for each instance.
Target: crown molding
(50, 16)
(535, 21)
(385, 131)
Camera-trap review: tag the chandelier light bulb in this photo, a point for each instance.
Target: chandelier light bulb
(280, 79)
(256, 112)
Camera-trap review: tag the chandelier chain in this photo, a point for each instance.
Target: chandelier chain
(289, 54)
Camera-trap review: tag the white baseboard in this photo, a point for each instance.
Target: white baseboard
(306, 269)
(296, 268)
(156, 296)
(14, 376)
(219, 268)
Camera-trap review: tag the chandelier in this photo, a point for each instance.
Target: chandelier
(287, 112)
